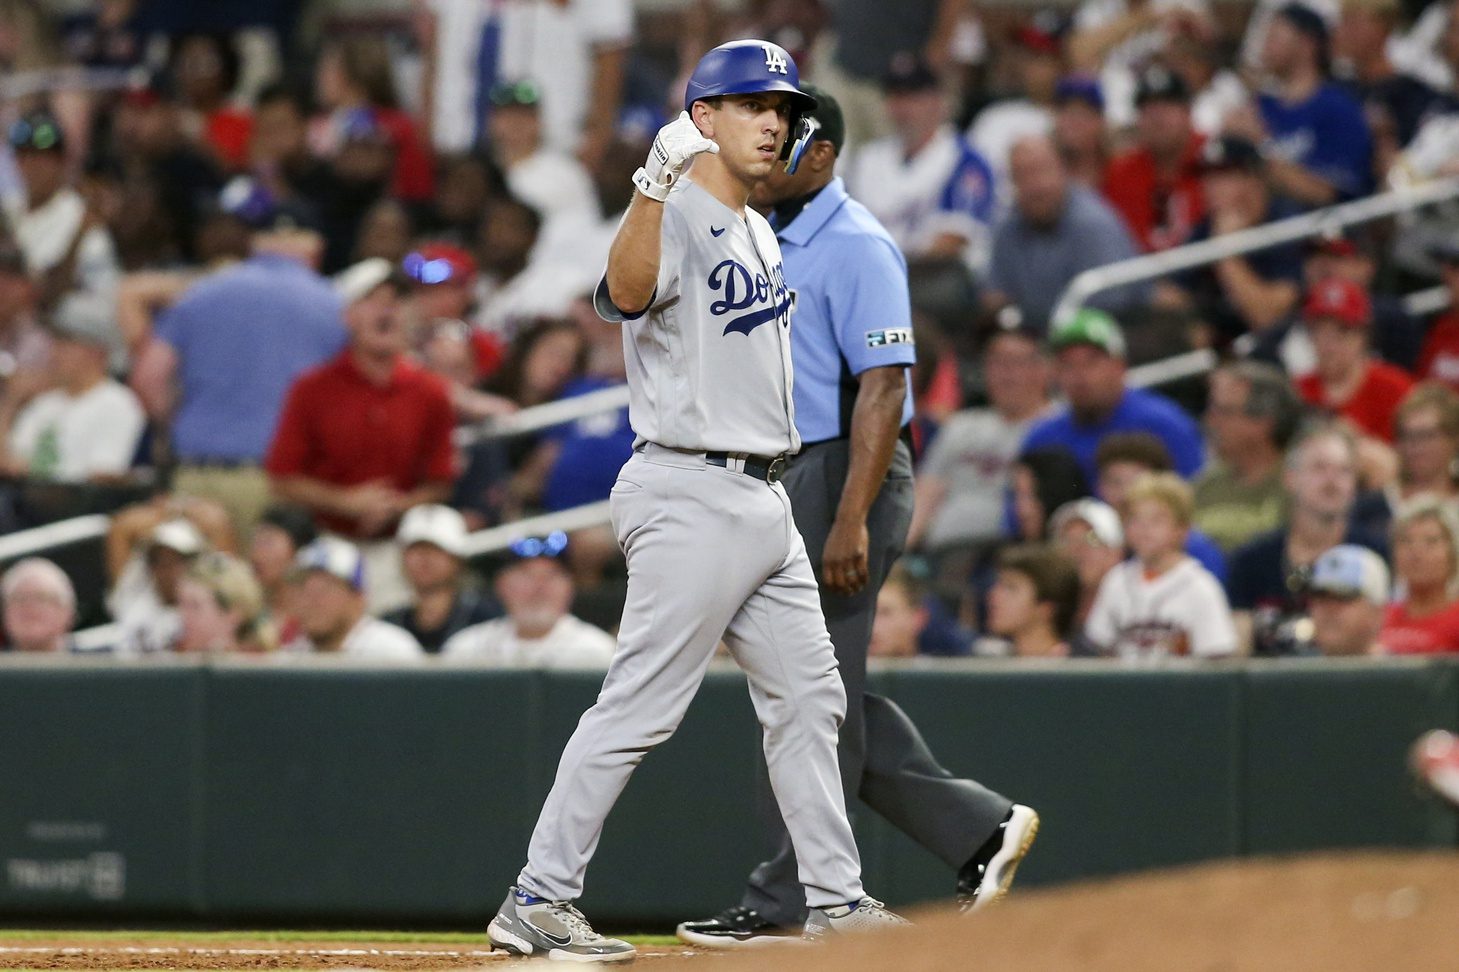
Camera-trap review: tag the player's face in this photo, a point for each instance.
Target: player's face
(749, 130)
(1423, 555)
(780, 185)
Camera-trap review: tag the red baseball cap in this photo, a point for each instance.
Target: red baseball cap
(1338, 300)
(437, 263)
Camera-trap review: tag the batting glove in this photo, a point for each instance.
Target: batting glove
(676, 143)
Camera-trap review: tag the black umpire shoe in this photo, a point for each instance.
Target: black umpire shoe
(736, 927)
(987, 875)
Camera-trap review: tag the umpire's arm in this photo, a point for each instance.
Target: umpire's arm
(876, 421)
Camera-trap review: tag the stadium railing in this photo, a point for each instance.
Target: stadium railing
(38, 540)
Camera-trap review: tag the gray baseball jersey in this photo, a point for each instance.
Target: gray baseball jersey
(709, 361)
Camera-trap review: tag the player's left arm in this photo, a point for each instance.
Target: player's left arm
(876, 420)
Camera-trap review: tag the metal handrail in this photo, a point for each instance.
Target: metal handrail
(1152, 265)
(545, 416)
(62, 533)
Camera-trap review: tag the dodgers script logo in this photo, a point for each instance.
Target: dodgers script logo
(743, 290)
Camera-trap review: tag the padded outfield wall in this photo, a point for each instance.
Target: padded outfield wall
(309, 792)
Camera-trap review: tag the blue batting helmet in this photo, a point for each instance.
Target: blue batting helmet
(744, 67)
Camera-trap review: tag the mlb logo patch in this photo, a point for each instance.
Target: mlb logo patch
(890, 335)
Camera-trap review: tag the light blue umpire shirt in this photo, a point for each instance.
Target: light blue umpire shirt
(851, 310)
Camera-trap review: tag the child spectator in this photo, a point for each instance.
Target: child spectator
(1346, 598)
(1426, 560)
(1033, 601)
(221, 608)
(1122, 458)
(1162, 602)
(911, 621)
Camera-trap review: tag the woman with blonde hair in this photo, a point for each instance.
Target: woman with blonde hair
(1426, 563)
(222, 608)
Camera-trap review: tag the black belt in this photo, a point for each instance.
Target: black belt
(761, 467)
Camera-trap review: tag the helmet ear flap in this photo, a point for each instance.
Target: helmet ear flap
(802, 132)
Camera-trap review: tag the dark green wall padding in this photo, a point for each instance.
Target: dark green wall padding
(227, 793)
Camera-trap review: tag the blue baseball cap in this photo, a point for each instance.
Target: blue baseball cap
(1080, 87)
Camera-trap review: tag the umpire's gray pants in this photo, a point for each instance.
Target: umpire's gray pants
(884, 759)
(710, 553)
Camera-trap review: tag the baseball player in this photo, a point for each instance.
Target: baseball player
(851, 490)
(696, 280)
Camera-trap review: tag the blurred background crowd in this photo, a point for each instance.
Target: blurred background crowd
(275, 277)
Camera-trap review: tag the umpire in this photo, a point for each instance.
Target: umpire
(851, 493)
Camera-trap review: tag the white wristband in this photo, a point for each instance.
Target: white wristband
(656, 191)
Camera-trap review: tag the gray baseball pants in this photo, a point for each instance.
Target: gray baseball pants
(884, 759)
(711, 553)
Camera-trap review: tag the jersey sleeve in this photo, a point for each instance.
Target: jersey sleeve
(871, 307)
(673, 246)
(1213, 632)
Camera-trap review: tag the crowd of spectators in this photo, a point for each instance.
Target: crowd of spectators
(266, 286)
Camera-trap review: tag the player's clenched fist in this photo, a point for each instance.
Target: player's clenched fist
(676, 143)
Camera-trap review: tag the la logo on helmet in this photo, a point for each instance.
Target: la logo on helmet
(774, 60)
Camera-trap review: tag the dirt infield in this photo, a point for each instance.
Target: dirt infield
(1334, 913)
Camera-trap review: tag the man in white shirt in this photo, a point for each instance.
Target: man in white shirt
(87, 428)
(549, 180)
(63, 246)
(926, 184)
(574, 50)
(144, 600)
(538, 632)
(332, 607)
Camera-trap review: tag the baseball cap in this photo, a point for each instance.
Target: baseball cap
(438, 263)
(1100, 517)
(1092, 327)
(1334, 242)
(528, 548)
(37, 131)
(1079, 87)
(335, 557)
(505, 94)
(434, 524)
(178, 535)
(360, 280)
(1157, 83)
(1338, 300)
(1349, 571)
(1042, 33)
(828, 115)
(908, 73)
(362, 125)
(1230, 152)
